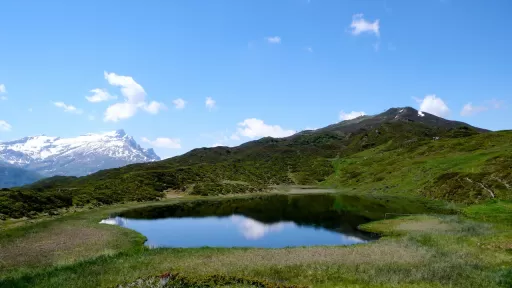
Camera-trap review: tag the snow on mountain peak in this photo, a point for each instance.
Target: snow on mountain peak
(76, 156)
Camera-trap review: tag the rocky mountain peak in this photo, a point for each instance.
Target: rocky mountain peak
(75, 156)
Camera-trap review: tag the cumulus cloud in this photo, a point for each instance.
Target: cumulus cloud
(99, 95)
(162, 142)
(274, 40)
(179, 103)
(469, 109)
(360, 25)
(253, 128)
(154, 107)
(434, 105)
(131, 90)
(134, 96)
(120, 111)
(351, 115)
(210, 103)
(4, 126)
(68, 108)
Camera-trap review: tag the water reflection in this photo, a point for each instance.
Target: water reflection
(264, 221)
(114, 221)
(233, 231)
(252, 229)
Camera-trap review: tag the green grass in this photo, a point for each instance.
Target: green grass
(465, 250)
(449, 169)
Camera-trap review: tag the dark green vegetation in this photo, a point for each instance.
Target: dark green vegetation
(399, 150)
(176, 280)
(11, 176)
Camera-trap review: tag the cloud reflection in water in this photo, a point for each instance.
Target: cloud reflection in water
(253, 230)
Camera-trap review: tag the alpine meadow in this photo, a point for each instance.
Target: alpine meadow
(270, 144)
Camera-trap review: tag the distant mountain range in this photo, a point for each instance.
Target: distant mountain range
(79, 156)
(11, 176)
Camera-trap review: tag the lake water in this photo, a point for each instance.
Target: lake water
(264, 221)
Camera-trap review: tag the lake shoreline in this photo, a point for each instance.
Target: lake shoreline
(403, 250)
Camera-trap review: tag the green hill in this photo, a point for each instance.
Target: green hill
(399, 151)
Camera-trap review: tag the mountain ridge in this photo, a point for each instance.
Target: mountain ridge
(75, 156)
(328, 156)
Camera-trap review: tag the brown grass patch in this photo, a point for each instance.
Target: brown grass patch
(426, 225)
(57, 244)
(384, 252)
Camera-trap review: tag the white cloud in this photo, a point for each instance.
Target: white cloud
(274, 40)
(4, 126)
(120, 111)
(253, 128)
(434, 105)
(179, 103)
(351, 115)
(162, 142)
(154, 107)
(131, 90)
(99, 95)
(210, 103)
(68, 108)
(360, 25)
(134, 96)
(218, 145)
(234, 137)
(3, 90)
(469, 109)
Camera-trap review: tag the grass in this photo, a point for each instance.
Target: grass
(460, 170)
(415, 251)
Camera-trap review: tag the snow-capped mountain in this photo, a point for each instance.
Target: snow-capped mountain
(77, 156)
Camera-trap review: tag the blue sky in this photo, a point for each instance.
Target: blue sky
(267, 67)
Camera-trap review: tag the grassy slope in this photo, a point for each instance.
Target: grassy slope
(460, 170)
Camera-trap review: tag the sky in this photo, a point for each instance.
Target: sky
(178, 75)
